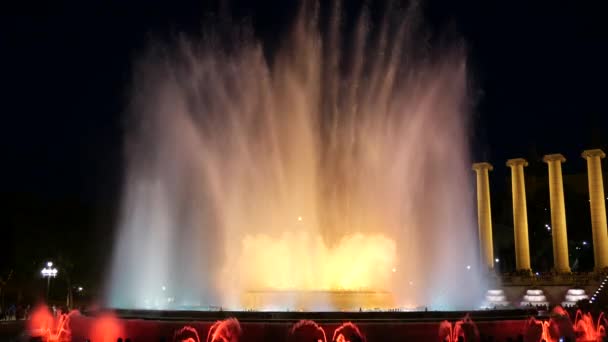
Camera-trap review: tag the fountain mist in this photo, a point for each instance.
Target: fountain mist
(341, 163)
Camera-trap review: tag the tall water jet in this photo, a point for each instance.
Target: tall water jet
(339, 163)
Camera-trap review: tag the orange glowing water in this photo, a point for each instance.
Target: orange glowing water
(327, 166)
(357, 262)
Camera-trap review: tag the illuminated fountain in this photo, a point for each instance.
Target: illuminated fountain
(534, 297)
(333, 167)
(495, 298)
(573, 296)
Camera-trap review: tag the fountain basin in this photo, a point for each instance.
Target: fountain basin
(148, 325)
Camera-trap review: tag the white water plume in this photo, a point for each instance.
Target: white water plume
(339, 164)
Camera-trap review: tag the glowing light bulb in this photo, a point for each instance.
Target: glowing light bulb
(394, 270)
(299, 218)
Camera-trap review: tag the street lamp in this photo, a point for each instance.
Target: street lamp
(48, 272)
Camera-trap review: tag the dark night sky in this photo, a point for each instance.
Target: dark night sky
(65, 68)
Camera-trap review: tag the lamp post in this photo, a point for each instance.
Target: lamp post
(47, 272)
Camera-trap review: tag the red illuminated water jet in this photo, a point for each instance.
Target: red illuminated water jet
(186, 334)
(348, 332)
(106, 328)
(306, 331)
(227, 330)
(537, 330)
(49, 328)
(41, 321)
(586, 329)
(561, 324)
(465, 328)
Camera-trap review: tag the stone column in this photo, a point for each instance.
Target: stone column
(558, 213)
(598, 207)
(484, 213)
(520, 214)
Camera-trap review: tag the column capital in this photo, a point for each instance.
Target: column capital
(516, 162)
(593, 153)
(554, 157)
(482, 166)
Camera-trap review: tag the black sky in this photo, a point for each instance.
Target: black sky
(539, 74)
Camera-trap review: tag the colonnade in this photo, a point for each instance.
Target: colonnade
(558, 211)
